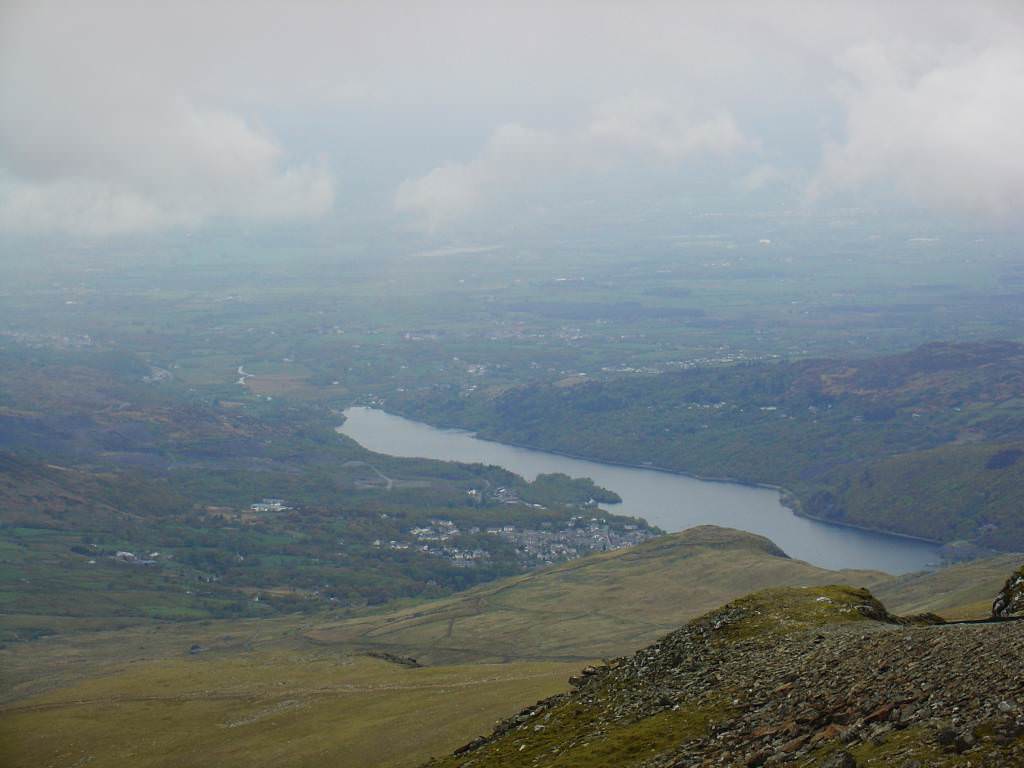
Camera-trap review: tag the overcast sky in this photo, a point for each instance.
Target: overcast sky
(148, 117)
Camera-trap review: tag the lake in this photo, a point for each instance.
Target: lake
(670, 501)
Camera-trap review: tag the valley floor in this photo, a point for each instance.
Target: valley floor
(294, 707)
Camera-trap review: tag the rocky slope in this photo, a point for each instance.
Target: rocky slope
(817, 676)
(1010, 599)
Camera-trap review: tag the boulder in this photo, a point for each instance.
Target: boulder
(1010, 599)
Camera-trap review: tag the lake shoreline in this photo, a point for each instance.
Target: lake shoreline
(787, 498)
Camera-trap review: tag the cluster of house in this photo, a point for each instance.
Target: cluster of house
(726, 358)
(421, 336)
(581, 537)
(269, 505)
(438, 530)
(696, 362)
(133, 559)
(535, 547)
(49, 340)
(504, 496)
(436, 540)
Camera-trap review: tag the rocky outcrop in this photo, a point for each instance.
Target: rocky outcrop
(809, 677)
(1010, 599)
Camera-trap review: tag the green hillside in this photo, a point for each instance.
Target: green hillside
(927, 443)
(268, 708)
(304, 690)
(962, 591)
(295, 691)
(598, 606)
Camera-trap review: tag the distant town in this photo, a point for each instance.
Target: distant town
(471, 545)
(581, 535)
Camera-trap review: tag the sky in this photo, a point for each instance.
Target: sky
(131, 119)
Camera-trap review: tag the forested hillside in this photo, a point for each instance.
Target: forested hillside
(926, 443)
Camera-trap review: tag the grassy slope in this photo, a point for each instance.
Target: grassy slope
(260, 693)
(595, 607)
(960, 591)
(293, 691)
(269, 708)
(287, 692)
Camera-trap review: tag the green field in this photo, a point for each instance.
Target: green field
(297, 707)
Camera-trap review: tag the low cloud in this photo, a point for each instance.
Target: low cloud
(512, 155)
(651, 125)
(93, 142)
(196, 167)
(180, 169)
(948, 135)
(634, 130)
(771, 177)
(121, 116)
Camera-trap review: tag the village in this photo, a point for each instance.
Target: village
(535, 547)
(581, 536)
(472, 545)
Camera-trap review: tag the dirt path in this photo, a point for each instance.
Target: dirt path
(389, 483)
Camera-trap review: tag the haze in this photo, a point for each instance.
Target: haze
(453, 119)
(376, 371)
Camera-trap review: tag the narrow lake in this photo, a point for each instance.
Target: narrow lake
(670, 501)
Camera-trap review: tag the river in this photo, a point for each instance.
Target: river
(670, 501)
